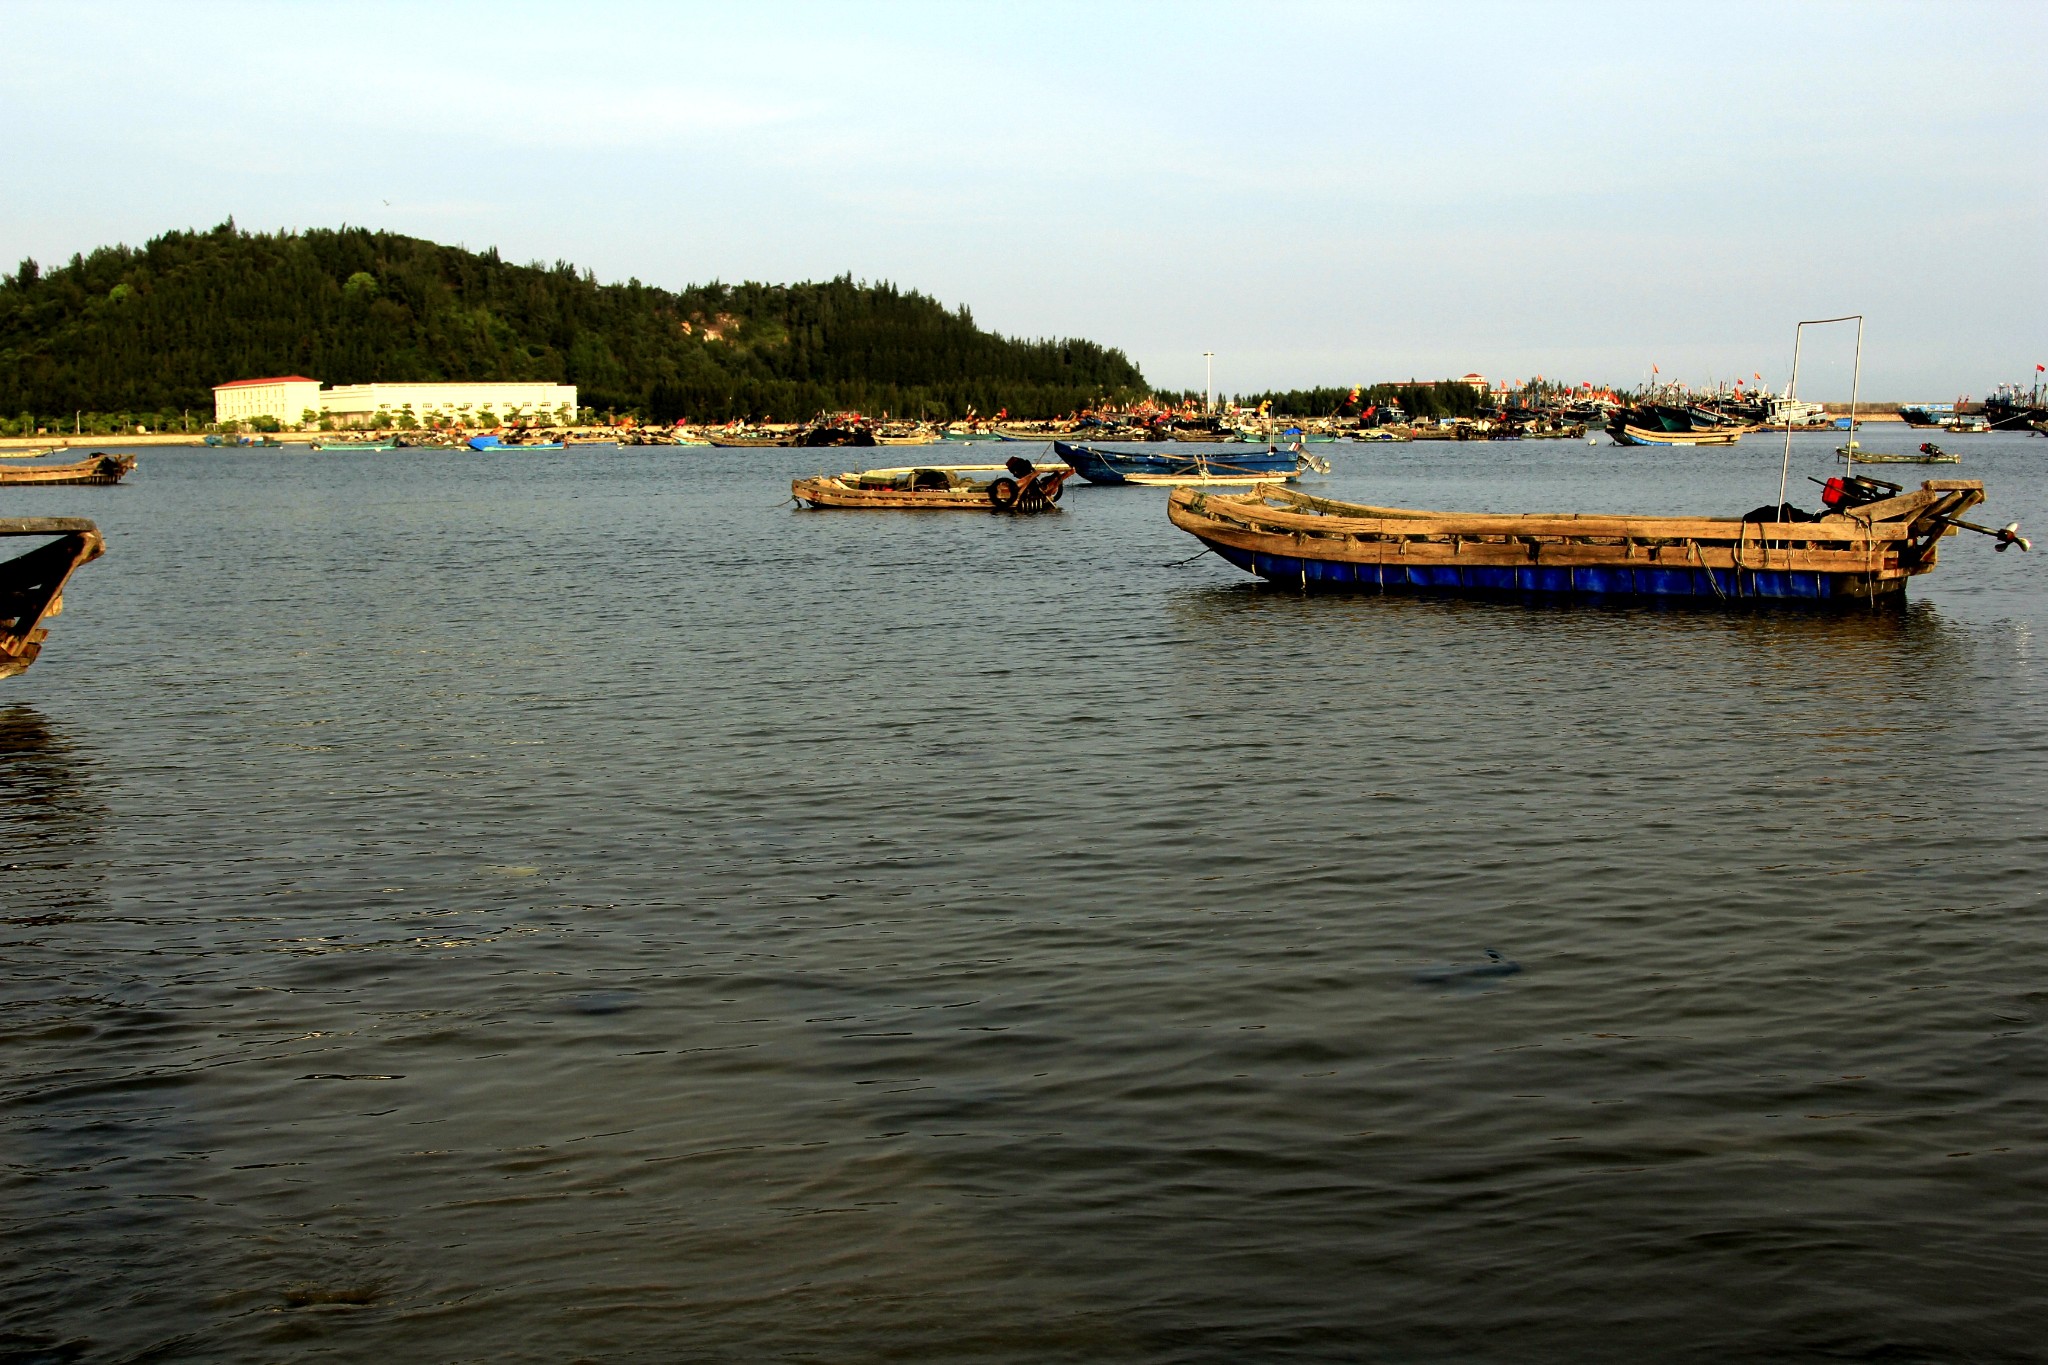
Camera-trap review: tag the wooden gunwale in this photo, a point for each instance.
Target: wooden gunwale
(1898, 518)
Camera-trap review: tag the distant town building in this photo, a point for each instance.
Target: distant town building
(355, 402)
(289, 399)
(1475, 382)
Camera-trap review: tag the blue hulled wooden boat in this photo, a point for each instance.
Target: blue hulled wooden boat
(1862, 552)
(494, 443)
(1168, 466)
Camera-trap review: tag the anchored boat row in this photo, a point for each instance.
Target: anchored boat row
(1869, 539)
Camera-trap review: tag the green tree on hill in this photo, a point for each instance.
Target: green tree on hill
(351, 306)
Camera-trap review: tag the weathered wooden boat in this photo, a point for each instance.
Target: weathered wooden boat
(32, 584)
(101, 469)
(750, 442)
(355, 445)
(1175, 467)
(1866, 549)
(913, 438)
(32, 453)
(1021, 487)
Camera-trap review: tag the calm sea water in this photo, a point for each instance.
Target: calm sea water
(577, 906)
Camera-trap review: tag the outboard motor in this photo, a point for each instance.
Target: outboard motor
(1841, 494)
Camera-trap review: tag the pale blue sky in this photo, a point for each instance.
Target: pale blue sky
(1319, 193)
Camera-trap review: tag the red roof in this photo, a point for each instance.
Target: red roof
(281, 379)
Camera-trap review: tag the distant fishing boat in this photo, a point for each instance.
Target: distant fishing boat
(1874, 537)
(32, 584)
(751, 442)
(488, 443)
(1930, 453)
(1926, 414)
(1172, 467)
(355, 445)
(101, 469)
(32, 454)
(1022, 487)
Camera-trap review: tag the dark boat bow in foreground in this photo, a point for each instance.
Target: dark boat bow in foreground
(32, 584)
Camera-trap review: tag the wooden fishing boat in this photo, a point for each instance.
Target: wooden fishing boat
(101, 469)
(1930, 453)
(355, 445)
(1640, 436)
(915, 438)
(750, 442)
(1864, 551)
(32, 584)
(1022, 487)
(490, 444)
(33, 453)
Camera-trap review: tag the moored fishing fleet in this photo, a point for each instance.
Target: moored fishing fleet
(1229, 476)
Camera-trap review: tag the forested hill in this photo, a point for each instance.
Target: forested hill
(151, 330)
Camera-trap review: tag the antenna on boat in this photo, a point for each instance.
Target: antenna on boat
(1792, 392)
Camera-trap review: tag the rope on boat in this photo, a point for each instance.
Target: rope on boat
(1176, 563)
(1700, 558)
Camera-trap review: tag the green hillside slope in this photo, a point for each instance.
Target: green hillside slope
(151, 330)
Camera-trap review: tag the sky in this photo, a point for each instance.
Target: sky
(1317, 193)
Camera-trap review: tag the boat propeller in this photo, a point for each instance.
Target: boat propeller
(2008, 534)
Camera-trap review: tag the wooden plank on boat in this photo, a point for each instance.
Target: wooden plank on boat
(1618, 529)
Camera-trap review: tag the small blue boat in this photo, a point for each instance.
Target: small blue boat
(493, 443)
(1179, 466)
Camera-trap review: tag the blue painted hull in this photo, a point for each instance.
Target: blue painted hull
(489, 443)
(1717, 585)
(1125, 466)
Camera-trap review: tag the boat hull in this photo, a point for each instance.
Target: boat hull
(1592, 581)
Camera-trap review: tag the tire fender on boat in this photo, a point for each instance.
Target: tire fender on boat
(1002, 494)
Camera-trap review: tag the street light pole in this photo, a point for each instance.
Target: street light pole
(1208, 382)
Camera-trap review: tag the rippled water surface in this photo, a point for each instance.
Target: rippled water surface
(530, 908)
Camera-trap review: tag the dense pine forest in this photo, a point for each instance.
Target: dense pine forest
(146, 332)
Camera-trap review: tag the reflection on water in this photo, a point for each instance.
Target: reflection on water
(49, 819)
(864, 938)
